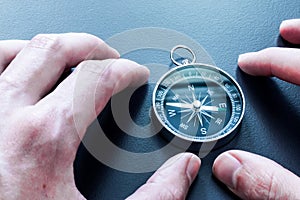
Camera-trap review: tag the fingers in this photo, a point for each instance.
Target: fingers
(38, 66)
(290, 30)
(9, 49)
(172, 180)
(251, 176)
(280, 62)
(80, 97)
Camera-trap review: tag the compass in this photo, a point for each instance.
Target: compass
(197, 102)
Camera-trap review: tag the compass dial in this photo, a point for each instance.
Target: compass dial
(198, 102)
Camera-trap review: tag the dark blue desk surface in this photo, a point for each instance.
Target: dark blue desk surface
(225, 29)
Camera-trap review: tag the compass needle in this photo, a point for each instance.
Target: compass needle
(194, 97)
(204, 117)
(188, 98)
(210, 108)
(179, 105)
(184, 101)
(199, 97)
(192, 116)
(208, 115)
(200, 119)
(195, 120)
(186, 110)
(202, 102)
(208, 102)
(185, 116)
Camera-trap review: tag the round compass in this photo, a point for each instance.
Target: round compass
(198, 102)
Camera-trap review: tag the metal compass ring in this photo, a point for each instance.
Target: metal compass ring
(182, 47)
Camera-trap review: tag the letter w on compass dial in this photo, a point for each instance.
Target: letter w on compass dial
(197, 107)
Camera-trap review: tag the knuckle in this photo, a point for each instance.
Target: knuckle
(46, 41)
(257, 186)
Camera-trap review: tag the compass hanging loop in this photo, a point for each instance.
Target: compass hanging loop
(186, 60)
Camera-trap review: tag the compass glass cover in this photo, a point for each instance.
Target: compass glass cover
(198, 102)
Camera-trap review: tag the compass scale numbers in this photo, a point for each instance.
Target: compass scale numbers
(198, 102)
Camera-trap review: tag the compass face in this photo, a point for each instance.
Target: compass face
(199, 103)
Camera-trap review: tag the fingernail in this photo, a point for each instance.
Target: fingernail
(246, 57)
(184, 161)
(225, 167)
(288, 22)
(193, 168)
(284, 23)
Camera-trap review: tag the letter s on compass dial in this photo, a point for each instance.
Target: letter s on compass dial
(198, 102)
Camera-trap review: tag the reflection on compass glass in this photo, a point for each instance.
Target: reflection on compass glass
(198, 102)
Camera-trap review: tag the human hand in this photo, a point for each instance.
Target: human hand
(38, 134)
(252, 176)
(41, 131)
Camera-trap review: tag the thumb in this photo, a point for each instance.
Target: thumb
(251, 176)
(172, 180)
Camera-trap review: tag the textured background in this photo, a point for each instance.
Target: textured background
(225, 28)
